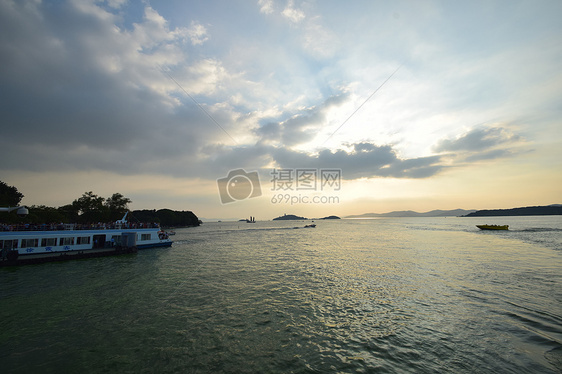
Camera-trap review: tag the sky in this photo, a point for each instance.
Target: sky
(265, 107)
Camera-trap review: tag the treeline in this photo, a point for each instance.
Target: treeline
(90, 208)
(44, 214)
(167, 217)
(87, 209)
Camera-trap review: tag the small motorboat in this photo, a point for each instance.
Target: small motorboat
(310, 226)
(493, 227)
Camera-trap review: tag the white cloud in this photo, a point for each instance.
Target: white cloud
(292, 13)
(197, 33)
(318, 40)
(204, 77)
(154, 31)
(116, 4)
(266, 6)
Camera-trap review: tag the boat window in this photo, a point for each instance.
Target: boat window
(48, 242)
(66, 241)
(8, 244)
(145, 236)
(83, 240)
(26, 243)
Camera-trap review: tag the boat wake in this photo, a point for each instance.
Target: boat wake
(540, 229)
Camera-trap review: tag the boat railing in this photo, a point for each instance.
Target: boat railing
(78, 226)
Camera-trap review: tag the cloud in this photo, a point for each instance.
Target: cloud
(99, 95)
(479, 144)
(83, 88)
(266, 6)
(318, 40)
(364, 160)
(477, 139)
(302, 126)
(88, 95)
(116, 3)
(489, 155)
(270, 132)
(197, 33)
(292, 13)
(203, 77)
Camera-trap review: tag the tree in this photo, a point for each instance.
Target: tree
(90, 208)
(9, 195)
(117, 205)
(69, 212)
(45, 214)
(88, 202)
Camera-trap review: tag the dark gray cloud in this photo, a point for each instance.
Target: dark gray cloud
(269, 131)
(77, 93)
(362, 160)
(477, 139)
(365, 160)
(479, 144)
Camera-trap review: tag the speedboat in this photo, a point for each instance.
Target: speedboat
(493, 227)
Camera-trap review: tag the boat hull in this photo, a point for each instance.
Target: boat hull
(493, 227)
(65, 256)
(156, 245)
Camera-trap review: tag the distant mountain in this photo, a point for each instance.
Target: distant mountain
(411, 213)
(548, 210)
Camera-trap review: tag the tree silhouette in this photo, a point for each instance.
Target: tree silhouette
(9, 195)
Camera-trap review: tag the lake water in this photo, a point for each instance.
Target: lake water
(401, 295)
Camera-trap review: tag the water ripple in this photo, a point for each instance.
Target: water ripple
(396, 296)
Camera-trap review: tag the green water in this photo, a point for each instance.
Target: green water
(391, 295)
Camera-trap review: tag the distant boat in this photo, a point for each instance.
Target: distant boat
(493, 227)
(251, 220)
(310, 226)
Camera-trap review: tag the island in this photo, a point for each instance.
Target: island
(289, 217)
(331, 217)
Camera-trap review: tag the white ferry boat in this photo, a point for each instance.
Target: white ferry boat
(73, 241)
